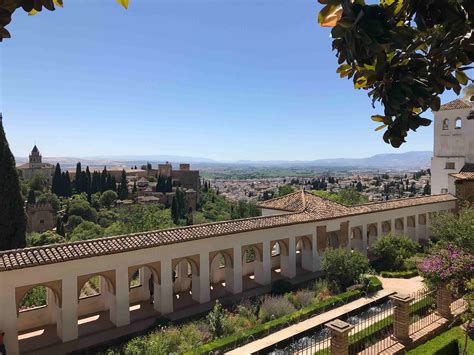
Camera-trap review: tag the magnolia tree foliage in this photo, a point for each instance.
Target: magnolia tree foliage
(32, 7)
(456, 229)
(405, 53)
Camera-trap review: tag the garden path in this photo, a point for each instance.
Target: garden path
(405, 286)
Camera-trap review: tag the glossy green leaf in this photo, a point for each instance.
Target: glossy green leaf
(124, 3)
(461, 77)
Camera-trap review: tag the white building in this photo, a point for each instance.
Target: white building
(187, 266)
(453, 151)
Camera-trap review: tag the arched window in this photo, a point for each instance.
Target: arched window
(458, 123)
(445, 124)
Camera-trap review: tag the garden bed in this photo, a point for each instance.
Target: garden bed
(447, 343)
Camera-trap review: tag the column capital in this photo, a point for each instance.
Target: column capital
(401, 299)
(339, 336)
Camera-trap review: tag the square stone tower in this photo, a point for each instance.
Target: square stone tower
(453, 142)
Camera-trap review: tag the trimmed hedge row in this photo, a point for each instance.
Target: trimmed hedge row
(399, 274)
(443, 344)
(373, 284)
(275, 324)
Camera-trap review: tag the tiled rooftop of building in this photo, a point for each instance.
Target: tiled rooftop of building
(466, 173)
(311, 209)
(455, 105)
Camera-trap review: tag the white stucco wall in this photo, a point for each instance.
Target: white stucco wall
(451, 145)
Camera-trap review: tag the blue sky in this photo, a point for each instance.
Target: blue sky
(226, 80)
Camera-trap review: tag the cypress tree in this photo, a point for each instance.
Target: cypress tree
(113, 183)
(123, 188)
(60, 227)
(88, 181)
(67, 184)
(12, 216)
(103, 180)
(95, 182)
(174, 210)
(57, 183)
(31, 197)
(77, 182)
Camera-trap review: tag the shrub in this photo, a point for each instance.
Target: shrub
(301, 298)
(343, 266)
(86, 230)
(281, 287)
(413, 262)
(322, 289)
(108, 198)
(372, 284)
(391, 252)
(274, 307)
(216, 319)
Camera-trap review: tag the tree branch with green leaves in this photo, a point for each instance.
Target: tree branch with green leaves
(405, 53)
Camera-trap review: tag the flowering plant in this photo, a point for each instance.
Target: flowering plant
(450, 266)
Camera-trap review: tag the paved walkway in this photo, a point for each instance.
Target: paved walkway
(303, 326)
(406, 286)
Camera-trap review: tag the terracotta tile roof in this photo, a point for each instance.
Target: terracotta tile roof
(314, 208)
(455, 105)
(293, 202)
(466, 173)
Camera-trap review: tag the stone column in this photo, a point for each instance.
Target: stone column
(392, 227)
(164, 292)
(67, 317)
(339, 337)
(233, 277)
(443, 302)
(316, 260)
(288, 262)
(8, 318)
(120, 307)
(263, 268)
(405, 225)
(364, 239)
(204, 286)
(401, 317)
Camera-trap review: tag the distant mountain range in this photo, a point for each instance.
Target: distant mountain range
(409, 160)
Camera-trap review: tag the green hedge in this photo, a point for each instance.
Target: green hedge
(399, 274)
(275, 324)
(373, 284)
(443, 343)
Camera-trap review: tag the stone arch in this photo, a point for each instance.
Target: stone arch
(192, 265)
(445, 124)
(371, 234)
(256, 252)
(228, 260)
(357, 239)
(281, 246)
(386, 227)
(458, 123)
(107, 276)
(152, 268)
(399, 224)
(422, 219)
(54, 287)
(303, 243)
(411, 221)
(333, 239)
